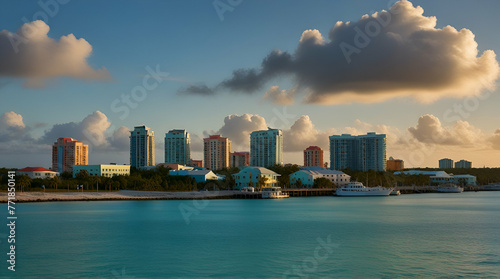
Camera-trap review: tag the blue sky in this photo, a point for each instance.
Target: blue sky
(188, 40)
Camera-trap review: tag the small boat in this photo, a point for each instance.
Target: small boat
(492, 187)
(450, 188)
(395, 193)
(273, 193)
(357, 189)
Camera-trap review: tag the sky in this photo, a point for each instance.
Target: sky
(423, 72)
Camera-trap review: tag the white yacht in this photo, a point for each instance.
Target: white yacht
(357, 189)
(450, 188)
(273, 193)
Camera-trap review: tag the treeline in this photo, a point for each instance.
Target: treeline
(157, 179)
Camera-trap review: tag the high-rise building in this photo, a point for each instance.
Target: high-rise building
(142, 147)
(395, 164)
(216, 152)
(446, 163)
(363, 153)
(313, 157)
(177, 147)
(266, 148)
(239, 159)
(67, 152)
(463, 164)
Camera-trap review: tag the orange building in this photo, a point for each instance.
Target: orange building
(216, 152)
(395, 164)
(67, 152)
(313, 157)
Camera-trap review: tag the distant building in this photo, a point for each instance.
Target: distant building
(216, 150)
(253, 174)
(36, 172)
(67, 152)
(196, 163)
(103, 170)
(239, 159)
(266, 148)
(446, 163)
(313, 157)
(463, 164)
(441, 177)
(177, 147)
(395, 164)
(198, 175)
(307, 175)
(175, 166)
(362, 153)
(142, 147)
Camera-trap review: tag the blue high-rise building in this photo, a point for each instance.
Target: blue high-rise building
(177, 147)
(364, 152)
(142, 147)
(266, 148)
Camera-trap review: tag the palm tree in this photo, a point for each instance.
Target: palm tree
(262, 181)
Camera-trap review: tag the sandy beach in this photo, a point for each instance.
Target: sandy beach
(118, 195)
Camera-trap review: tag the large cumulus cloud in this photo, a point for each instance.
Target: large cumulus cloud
(93, 129)
(12, 127)
(31, 54)
(430, 130)
(388, 54)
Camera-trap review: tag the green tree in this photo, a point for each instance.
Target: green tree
(262, 181)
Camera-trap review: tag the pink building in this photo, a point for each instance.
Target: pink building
(240, 159)
(216, 152)
(196, 163)
(313, 157)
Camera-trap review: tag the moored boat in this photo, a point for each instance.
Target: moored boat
(450, 188)
(357, 189)
(273, 193)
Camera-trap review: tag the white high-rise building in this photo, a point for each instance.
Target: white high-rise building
(142, 147)
(177, 147)
(266, 148)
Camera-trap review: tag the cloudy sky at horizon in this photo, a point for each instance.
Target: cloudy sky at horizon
(423, 72)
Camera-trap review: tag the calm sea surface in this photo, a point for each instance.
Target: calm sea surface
(410, 235)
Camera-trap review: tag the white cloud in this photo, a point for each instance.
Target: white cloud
(31, 54)
(12, 127)
(280, 97)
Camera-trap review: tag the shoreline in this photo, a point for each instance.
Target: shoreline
(23, 197)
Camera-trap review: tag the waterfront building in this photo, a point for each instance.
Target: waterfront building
(250, 177)
(313, 157)
(198, 175)
(177, 147)
(442, 177)
(395, 164)
(239, 159)
(36, 172)
(109, 170)
(67, 152)
(362, 153)
(216, 150)
(446, 163)
(196, 163)
(463, 164)
(175, 166)
(307, 175)
(142, 147)
(266, 148)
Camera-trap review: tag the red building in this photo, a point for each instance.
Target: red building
(196, 163)
(240, 159)
(313, 157)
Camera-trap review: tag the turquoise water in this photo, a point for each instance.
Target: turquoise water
(410, 235)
